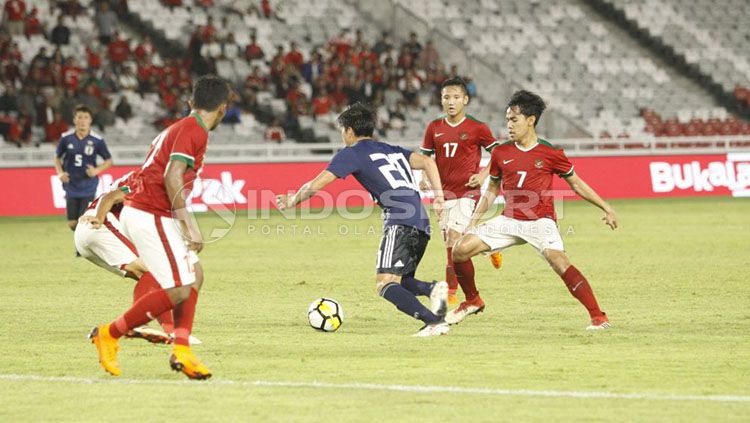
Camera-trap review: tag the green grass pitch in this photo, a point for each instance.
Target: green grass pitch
(673, 278)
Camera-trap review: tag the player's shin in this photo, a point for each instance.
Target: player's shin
(465, 275)
(141, 312)
(450, 274)
(579, 288)
(146, 284)
(184, 314)
(407, 303)
(415, 286)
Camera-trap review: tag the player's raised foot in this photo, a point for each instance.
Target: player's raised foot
(433, 329)
(151, 335)
(467, 308)
(497, 259)
(452, 297)
(107, 347)
(183, 360)
(600, 323)
(439, 298)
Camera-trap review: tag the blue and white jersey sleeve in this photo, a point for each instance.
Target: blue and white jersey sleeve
(102, 150)
(344, 163)
(60, 150)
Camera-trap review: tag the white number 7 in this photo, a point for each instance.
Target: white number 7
(523, 176)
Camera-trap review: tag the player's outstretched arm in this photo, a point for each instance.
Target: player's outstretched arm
(284, 201)
(174, 184)
(425, 163)
(488, 198)
(580, 187)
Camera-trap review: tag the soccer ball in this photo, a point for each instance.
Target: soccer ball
(325, 314)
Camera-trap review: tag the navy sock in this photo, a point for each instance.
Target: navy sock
(407, 303)
(415, 286)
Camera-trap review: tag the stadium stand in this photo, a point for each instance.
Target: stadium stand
(295, 64)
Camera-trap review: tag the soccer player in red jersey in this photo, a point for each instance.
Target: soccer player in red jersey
(524, 167)
(456, 140)
(156, 220)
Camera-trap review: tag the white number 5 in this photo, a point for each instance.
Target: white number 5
(523, 176)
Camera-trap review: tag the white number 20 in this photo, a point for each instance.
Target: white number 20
(523, 177)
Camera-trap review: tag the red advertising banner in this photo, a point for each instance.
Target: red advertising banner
(37, 191)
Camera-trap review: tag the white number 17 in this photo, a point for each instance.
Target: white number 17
(523, 176)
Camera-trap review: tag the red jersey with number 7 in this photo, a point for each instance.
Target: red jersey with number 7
(527, 178)
(457, 152)
(186, 140)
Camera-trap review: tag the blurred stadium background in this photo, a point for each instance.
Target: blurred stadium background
(620, 77)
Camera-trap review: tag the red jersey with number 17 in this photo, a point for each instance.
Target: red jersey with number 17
(527, 178)
(186, 140)
(457, 152)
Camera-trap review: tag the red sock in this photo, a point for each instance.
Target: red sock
(450, 274)
(465, 275)
(146, 284)
(579, 287)
(142, 312)
(184, 313)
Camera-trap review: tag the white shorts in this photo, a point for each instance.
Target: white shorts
(502, 232)
(106, 247)
(456, 214)
(161, 246)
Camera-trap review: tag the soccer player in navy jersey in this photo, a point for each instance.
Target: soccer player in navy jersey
(75, 163)
(385, 171)
(524, 167)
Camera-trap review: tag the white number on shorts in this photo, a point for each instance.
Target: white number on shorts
(523, 176)
(450, 149)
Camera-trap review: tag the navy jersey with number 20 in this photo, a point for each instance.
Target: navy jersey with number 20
(384, 171)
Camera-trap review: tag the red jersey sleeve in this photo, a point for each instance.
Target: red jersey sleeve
(189, 146)
(561, 165)
(496, 172)
(428, 143)
(485, 137)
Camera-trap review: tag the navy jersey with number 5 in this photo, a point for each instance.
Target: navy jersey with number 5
(384, 171)
(77, 155)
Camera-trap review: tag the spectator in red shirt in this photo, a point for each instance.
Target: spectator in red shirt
(209, 31)
(265, 6)
(294, 57)
(71, 74)
(144, 49)
(322, 103)
(255, 80)
(275, 132)
(93, 58)
(32, 25)
(341, 44)
(253, 51)
(53, 130)
(119, 52)
(15, 12)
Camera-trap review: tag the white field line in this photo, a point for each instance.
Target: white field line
(379, 387)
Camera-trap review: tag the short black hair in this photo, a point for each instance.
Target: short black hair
(528, 103)
(456, 81)
(210, 92)
(81, 108)
(360, 117)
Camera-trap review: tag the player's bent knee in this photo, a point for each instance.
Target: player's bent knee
(179, 294)
(384, 279)
(557, 259)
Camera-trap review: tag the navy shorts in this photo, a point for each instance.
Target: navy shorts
(401, 250)
(76, 206)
